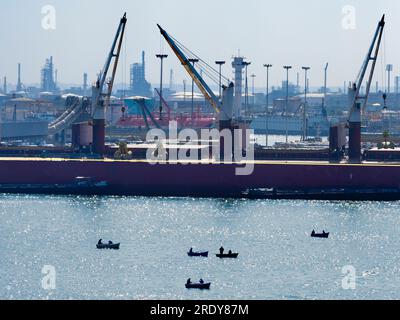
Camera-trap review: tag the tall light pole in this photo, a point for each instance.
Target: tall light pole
(246, 91)
(193, 61)
(220, 63)
(253, 76)
(161, 57)
(287, 68)
(305, 103)
(266, 108)
(325, 86)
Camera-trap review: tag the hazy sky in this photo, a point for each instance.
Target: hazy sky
(296, 32)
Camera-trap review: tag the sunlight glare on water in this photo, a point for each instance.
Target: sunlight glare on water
(277, 257)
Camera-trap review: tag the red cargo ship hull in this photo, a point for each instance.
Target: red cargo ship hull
(291, 180)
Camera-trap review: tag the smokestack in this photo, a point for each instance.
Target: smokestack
(19, 85)
(5, 85)
(85, 84)
(389, 69)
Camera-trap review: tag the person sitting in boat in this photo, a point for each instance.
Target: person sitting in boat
(189, 281)
(313, 233)
(100, 241)
(110, 242)
(230, 252)
(221, 250)
(191, 250)
(201, 281)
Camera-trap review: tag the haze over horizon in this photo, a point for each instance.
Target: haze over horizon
(278, 33)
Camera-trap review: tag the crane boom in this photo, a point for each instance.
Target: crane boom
(101, 80)
(371, 56)
(100, 100)
(201, 84)
(120, 31)
(354, 120)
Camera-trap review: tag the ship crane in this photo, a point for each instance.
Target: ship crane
(358, 102)
(100, 96)
(223, 107)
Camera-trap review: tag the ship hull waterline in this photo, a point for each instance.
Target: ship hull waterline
(276, 180)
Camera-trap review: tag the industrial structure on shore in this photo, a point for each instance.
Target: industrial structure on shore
(138, 84)
(49, 77)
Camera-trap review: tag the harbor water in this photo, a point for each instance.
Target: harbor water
(277, 257)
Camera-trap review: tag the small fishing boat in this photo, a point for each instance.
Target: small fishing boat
(198, 254)
(201, 286)
(323, 235)
(114, 246)
(227, 255)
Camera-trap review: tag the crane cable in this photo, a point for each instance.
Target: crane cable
(124, 67)
(383, 61)
(383, 78)
(201, 61)
(203, 66)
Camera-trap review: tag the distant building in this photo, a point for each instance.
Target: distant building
(293, 105)
(138, 84)
(33, 92)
